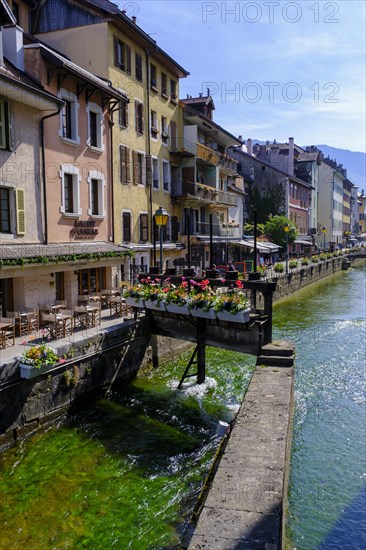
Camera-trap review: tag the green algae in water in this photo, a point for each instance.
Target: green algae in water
(125, 472)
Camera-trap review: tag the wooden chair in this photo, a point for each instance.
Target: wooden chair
(116, 306)
(21, 322)
(52, 325)
(7, 331)
(33, 320)
(80, 317)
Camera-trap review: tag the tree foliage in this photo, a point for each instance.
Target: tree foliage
(274, 229)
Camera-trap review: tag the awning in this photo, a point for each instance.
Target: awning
(265, 247)
(301, 241)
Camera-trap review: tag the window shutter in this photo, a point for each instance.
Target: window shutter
(20, 212)
(126, 225)
(128, 59)
(143, 228)
(135, 167)
(11, 129)
(148, 170)
(142, 118)
(175, 228)
(136, 116)
(115, 48)
(173, 135)
(124, 159)
(128, 168)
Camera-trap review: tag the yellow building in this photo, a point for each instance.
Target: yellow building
(107, 43)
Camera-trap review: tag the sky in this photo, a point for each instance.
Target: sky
(275, 69)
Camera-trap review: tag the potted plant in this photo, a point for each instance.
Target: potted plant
(37, 360)
(232, 307)
(305, 261)
(202, 305)
(278, 267)
(293, 264)
(178, 298)
(133, 296)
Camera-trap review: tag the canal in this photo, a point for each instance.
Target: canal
(125, 471)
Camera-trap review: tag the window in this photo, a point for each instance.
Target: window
(69, 117)
(96, 194)
(4, 210)
(164, 85)
(138, 66)
(124, 162)
(173, 89)
(122, 55)
(153, 77)
(139, 117)
(126, 227)
(139, 168)
(166, 175)
(70, 191)
(6, 126)
(155, 173)
(123, 115)
(95, 118)
(144, 228)
(154, 125)
(164, 130)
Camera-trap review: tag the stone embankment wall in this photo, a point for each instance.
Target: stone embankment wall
(112, 356)
(303, 276)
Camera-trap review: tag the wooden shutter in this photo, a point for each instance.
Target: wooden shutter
(20, 211)
(144, 229)
(115, 49)
(173, 135)
(11, 129)
(135, 167)
(128, 59)
(148, 170)
(126, 227)
(175, 228)
(124, 155)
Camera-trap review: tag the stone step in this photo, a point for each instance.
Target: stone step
(279, 348)
(275, 360)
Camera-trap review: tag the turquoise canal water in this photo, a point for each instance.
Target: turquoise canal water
(125, 472)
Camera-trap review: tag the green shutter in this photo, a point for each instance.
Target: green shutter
(20, 212)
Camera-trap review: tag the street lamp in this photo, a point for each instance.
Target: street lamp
(161, 219)
(324, 230)
(286, 229)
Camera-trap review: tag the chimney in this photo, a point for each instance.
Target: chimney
(134, 19)
(13, 46)
(249, 146)
(291, 156)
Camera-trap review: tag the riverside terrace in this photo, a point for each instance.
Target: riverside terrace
(246, 337)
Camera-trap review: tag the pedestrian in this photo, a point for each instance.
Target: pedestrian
(230, 267)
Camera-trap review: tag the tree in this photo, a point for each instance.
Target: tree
(249, 229)
(274, 229)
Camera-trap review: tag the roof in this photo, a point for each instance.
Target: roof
(205, 100)
(265, 163)
(309, 157)
(12, 79)
(194, 113)
(62, 62)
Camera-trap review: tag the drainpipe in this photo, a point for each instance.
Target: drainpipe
(43, 157)
(111, 124)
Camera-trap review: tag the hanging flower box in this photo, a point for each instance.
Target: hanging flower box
(158, 305)
(199, 312)
(239, 317)
(135, 302)
(179, 309)
(29, 371)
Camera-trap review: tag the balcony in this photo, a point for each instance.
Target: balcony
(227, 165)
(189, 192)
(208, 155)
(222, 230)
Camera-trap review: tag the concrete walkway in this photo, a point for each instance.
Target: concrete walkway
(245, 504)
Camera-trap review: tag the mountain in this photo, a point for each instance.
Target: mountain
(354, 162)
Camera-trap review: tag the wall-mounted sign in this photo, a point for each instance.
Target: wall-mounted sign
(83, 230)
